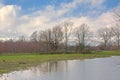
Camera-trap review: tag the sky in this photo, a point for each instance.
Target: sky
(22, 17)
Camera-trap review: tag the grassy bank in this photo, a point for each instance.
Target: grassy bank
(11, 62)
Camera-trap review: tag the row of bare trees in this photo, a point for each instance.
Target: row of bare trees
(55, 37)
(64, 38)
(60, 36)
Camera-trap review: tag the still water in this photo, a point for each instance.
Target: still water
(89, 69)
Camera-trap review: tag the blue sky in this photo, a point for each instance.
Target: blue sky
(28, 6)
(26, 16)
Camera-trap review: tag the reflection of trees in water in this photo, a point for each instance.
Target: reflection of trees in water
(3, 77)
(48, 67)
(116, 60)
(54, 66)
(66, 66)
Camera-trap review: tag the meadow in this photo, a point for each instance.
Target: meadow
(12, 62)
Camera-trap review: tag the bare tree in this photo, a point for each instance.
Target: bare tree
(116, 27)
(117, 14)
(67, 29)
(105, 35)
(82, 33)
(52, 37)
(22, 38)
(34, 36)
(45, 37)
(116, 33)
(57, 37)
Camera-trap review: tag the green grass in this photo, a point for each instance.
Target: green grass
(12, 62)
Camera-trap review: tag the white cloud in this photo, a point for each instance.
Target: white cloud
(97, 2)
(8, 15)
(77, 2)
(101, 21)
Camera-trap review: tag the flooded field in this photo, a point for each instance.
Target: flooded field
(89, 69)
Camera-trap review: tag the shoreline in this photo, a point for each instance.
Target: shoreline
(14, 62)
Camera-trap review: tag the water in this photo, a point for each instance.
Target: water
(89, 69)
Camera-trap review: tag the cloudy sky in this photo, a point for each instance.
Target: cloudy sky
(22, 17)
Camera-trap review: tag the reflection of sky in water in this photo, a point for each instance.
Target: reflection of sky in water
(89, 69)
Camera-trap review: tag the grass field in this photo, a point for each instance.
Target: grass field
(12, 62)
